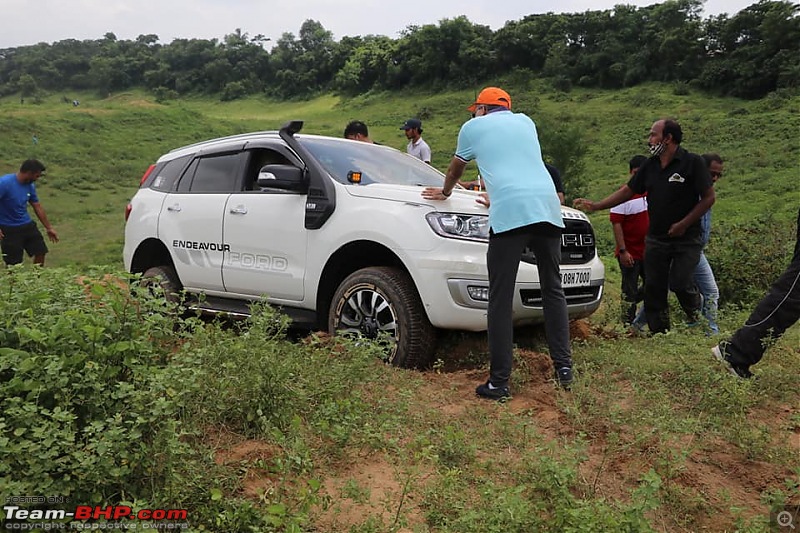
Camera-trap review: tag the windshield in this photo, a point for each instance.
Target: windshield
(377, 164)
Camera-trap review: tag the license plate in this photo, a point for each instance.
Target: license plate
(576, 278)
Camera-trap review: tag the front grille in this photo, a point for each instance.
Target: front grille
(574, 295)
(577, 244)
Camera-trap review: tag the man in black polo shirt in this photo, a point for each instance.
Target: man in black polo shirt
(679, 191)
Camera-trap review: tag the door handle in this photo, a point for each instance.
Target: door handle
(174, 207)
(238, 210)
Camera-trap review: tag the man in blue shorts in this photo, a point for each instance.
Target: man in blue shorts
(18, 232)
(524, 211)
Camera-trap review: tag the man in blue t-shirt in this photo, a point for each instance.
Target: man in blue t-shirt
(18, 232)
(524, 212)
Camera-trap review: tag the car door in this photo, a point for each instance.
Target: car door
(264, 230)
(190, 223)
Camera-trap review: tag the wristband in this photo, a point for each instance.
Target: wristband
(622, 251)
(446, 195)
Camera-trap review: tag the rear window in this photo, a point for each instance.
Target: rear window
(164, 176)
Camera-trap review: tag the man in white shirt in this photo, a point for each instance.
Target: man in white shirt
(416, 145)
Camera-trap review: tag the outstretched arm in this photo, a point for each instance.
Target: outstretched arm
(623, 194)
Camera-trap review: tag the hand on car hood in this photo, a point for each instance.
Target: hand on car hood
(461, 201)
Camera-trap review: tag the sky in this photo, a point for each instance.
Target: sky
(26, 22)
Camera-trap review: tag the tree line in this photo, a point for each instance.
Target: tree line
(750, 54)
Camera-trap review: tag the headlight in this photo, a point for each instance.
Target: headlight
(466, 227)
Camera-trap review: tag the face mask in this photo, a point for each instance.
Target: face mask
(657, 149)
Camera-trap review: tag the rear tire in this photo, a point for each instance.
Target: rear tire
(383, 300)
(165, 278)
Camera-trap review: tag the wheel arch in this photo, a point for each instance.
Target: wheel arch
(346, 260)
(150, 253)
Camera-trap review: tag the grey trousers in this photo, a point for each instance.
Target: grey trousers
(502, 259)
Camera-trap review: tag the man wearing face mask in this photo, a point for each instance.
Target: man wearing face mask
(679, 192)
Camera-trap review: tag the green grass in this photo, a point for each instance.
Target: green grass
(246, 429)
(317, 436)
(97, 152)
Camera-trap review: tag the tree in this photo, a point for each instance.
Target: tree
(366, 66)
(27, 85)
(455, 51)
(755, 52)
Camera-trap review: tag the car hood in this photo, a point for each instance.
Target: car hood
(461, 201)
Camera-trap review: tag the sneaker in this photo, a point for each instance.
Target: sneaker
(490, 392)
(564, 377)
(738, 371)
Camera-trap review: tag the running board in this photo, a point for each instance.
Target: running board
(240, 309)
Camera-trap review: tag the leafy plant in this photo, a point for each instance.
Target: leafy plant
(748, 257)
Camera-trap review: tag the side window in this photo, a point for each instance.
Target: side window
(212, 174)
(258, 159)
(217, 174)
(165, 177)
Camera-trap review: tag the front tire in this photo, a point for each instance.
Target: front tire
(382, 303)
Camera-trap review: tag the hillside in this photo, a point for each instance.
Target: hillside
(107, 397)
(97, 152)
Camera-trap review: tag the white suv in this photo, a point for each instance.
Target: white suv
(336, 234)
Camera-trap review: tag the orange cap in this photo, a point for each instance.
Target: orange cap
(492, 96)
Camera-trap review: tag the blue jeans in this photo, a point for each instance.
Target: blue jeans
(707, 285)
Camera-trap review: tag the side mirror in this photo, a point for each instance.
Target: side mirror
(284, 177)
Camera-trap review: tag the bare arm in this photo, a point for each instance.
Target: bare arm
(623, 194)
(39, 210)
(706, 201)
(619, 236)
(561, 197)
(454, 172)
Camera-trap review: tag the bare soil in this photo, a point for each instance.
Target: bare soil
(720, 475)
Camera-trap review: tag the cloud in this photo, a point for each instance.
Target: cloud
(31, 21)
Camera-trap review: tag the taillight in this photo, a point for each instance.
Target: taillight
(146, 173)
(128, 209)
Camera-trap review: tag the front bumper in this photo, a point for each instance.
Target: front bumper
(450, 287)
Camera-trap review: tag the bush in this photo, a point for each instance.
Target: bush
(748, 257)
(86, 404)
(162, 94)
(107, 394)
(562, 83)
(233, 91)
(680, 88)
(563, 146)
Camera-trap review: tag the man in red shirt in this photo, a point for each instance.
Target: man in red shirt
(630, 221)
